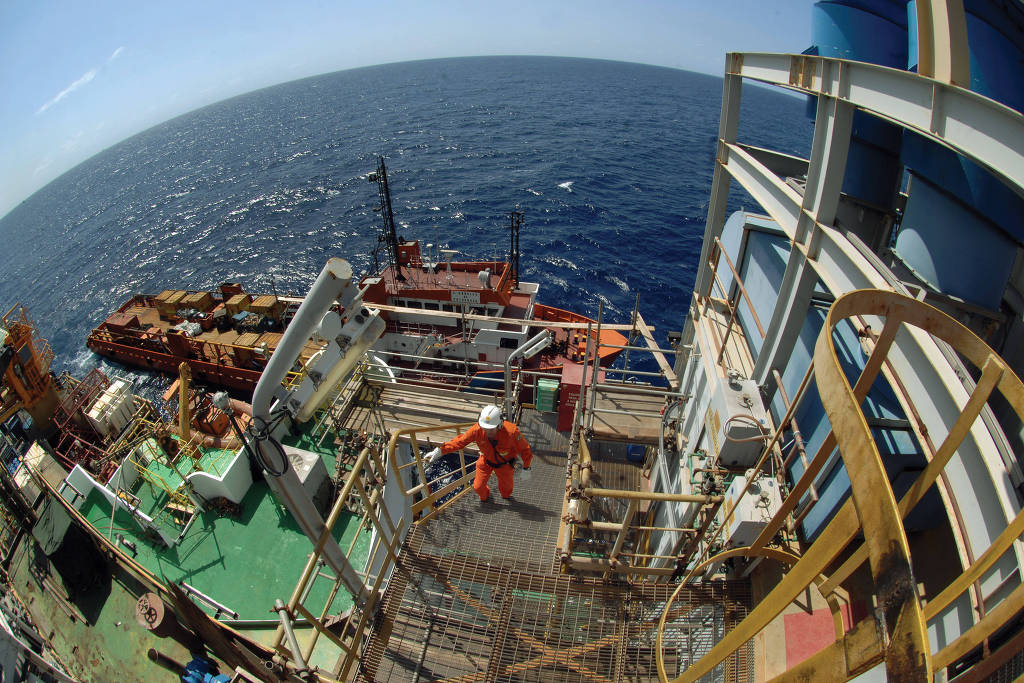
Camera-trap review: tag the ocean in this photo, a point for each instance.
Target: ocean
(610, 162)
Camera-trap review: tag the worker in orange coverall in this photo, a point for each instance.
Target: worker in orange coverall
(500, 442)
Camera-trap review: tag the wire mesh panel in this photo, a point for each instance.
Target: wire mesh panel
(467, 619)
(478, 596)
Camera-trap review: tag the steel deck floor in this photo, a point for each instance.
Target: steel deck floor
(477, 596)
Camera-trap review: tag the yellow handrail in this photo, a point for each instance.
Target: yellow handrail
(429, 496)
(898, 635)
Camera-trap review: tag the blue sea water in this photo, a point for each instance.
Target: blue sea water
(610, 162)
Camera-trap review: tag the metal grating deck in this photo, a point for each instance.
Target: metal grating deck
(478, 597)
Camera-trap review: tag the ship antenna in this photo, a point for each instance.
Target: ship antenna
(515, 224)
(388, 233)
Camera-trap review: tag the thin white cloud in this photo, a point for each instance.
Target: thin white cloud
(86, 77)
(42, 166)
(83, 80)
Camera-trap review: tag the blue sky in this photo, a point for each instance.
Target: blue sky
(78, 77)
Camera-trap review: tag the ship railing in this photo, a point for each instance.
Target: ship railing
(470, 368)
(417, 329)
(633, 382)
(868, 526)
(368, 468)
(203, 349)
(604, 530)
(431, 495)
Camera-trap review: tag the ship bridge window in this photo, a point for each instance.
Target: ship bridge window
(509, 342)
(447, 307)
(431, 306)
(414, 304)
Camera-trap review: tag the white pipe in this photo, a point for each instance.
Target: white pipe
(332, 283)
(531, 347)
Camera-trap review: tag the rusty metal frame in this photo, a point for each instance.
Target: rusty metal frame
(897, 634)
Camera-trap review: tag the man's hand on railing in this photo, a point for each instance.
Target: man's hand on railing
(432, 455)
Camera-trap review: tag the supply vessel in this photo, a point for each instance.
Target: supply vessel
(454, 322)
(821, 481)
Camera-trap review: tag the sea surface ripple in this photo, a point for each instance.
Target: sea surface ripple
(610, 162)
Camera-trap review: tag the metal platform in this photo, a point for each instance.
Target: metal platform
(626, 417)
(477, 596)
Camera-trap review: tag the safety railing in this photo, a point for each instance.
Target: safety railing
(588, 407)
(717, 255)
(361, 482)
(896, 633)
(430, 496)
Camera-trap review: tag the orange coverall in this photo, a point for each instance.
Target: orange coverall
(499, 458)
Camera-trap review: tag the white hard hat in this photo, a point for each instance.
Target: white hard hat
(490, 417)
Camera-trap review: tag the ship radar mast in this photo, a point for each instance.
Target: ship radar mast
(515, 224)
(388, 235)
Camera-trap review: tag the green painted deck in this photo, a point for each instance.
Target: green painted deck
(243, 563)
(97, 638)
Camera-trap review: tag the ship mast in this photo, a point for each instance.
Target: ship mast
(515, 224)
(388, 234)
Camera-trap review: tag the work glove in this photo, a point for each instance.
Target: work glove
(525, 474)
(432, 455)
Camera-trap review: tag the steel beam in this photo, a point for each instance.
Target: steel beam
(980, 129)
(727, 127)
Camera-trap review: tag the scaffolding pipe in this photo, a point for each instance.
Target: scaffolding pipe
(599, 565)
(597, 362)
(623, 389)
(639, 348)
(653, 495)
(615, 411)
(616, 526)
(293, 644)
(627, 371)
(578, 417)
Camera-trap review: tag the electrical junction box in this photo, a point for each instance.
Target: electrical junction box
(734, 421)
(312, 474)
(753, 511)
